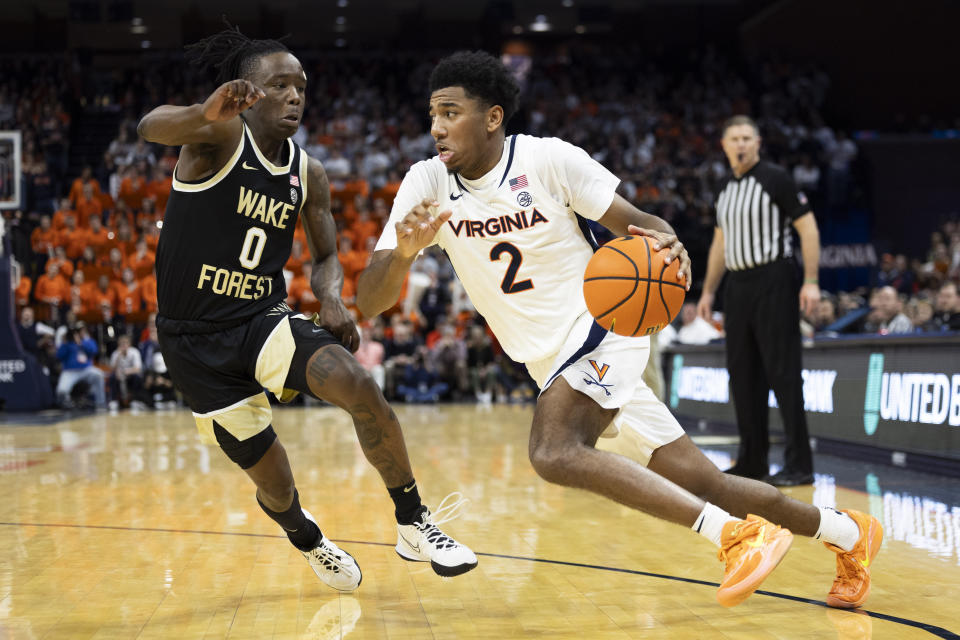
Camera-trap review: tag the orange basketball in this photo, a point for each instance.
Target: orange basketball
(629, 289)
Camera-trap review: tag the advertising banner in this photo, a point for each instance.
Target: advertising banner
(900, 394)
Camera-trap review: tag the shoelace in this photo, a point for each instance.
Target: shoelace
(735, 537)
(331, 560)
(445, 513)
(846, 565)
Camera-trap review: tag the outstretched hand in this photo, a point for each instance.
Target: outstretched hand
(418, 228)
(230, 99)
(664, 240)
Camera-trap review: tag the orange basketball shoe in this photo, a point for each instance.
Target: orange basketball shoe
(852, 585)
(752, 548)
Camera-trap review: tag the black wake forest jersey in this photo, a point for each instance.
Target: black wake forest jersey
(225, 239)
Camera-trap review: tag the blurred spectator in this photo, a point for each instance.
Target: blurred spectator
(140, 153)
(21, 295)
(142, 260)
(418, 383)
(104, 297)
(480, 364)
(434, 302)
(895, 271)
(73, 238)
(399, 351)
(352, 261)
(128, 295)
(98, 238)
(694, 329)
(920, 312)
(297, 258)
(77, 354)
(158, 384)
(515, 384)
(370, 354)
(64, 265)
(126, 373)
(825, 314)
(886, 313)
(120, 148)
(31, 331)
(946, 312)
(148, 292)
(807, 176)
(52, 288)
(447, 358)
(82, 182)
(88, 205)
(840, 155)
(80, 292)
(44, 238)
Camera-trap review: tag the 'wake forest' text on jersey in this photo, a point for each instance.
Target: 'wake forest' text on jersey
(225, 239)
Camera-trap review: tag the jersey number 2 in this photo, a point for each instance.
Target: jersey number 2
(252, 247)
(508, 285)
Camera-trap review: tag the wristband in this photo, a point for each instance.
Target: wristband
(811, 281)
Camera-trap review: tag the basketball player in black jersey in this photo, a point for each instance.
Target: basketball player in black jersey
(225, 332)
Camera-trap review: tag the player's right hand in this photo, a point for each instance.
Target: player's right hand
(418, 227)
(230, 99)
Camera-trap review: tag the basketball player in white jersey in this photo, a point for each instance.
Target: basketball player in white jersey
(509, 211)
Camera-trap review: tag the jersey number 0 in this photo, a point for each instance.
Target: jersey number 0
(252, 249)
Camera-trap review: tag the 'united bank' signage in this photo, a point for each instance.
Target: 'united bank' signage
(905, 397)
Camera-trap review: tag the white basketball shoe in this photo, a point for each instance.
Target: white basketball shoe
(333, 565)
(423, 541)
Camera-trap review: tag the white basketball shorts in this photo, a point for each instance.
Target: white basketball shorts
(609, 369)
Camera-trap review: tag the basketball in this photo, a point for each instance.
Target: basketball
(629, 289)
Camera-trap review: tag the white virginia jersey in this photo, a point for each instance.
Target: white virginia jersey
(517, 237)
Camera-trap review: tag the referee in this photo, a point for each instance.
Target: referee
(752, 240)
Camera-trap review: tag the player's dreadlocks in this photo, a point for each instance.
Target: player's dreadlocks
(232, 53)
(482, 76)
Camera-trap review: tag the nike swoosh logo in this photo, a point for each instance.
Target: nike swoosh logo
(410, 488)
(453, 197)
(317, 330)
(761, 534)
(246, 166)
(415, 547)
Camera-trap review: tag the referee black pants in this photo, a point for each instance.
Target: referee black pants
(762, 322)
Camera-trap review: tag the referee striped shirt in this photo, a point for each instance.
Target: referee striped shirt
(755, 212)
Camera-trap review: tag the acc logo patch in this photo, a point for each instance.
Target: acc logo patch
(293, 195)
(524, 199)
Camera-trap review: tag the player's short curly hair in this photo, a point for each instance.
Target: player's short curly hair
(482, 77)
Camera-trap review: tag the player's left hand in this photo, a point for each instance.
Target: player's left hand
(666, 240)
(335, 318)
(809, 297)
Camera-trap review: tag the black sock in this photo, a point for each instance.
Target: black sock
(302, 532)
(406, 502)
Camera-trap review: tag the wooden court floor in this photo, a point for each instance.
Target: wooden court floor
(125, 526)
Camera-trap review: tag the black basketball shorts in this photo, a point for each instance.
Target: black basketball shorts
(222, 374)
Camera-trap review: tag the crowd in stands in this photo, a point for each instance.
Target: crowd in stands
(86, 243)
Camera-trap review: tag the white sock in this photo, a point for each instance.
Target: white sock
(710, 522)
(837, 528)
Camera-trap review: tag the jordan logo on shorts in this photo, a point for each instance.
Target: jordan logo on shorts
(601, 370)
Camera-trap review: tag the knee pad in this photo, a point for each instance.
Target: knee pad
(245, 453)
